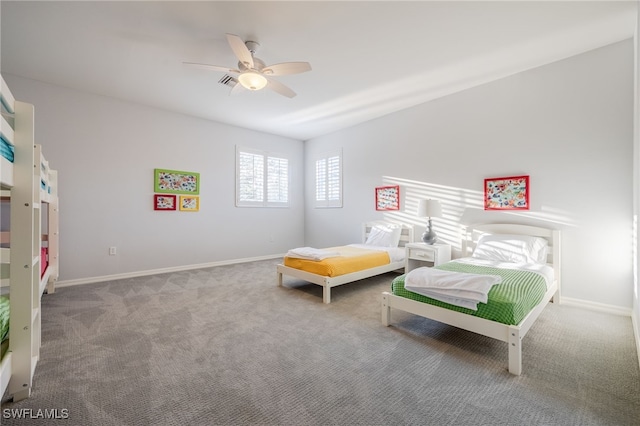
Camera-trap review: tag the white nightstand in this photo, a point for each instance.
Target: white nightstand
(421, 254)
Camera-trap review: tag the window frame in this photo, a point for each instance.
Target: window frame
(328, 185)
(266, 156)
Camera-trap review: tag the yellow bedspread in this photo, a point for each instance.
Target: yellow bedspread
(351, 259)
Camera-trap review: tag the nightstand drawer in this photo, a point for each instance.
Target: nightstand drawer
(419, 254)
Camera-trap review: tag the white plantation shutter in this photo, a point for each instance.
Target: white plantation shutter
(321, 180)
(334, 179)
(277, 180)
(262, 179)
(329, 180)
(250, 177)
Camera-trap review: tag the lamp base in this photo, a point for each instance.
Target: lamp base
(429, 236)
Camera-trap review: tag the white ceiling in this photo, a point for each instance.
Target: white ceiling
(368, 58)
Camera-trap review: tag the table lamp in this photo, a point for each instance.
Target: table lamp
(429, 208)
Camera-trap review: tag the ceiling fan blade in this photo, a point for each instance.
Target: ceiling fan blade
(240, 50)
(280, 88)
(212, 67)
(287, 68)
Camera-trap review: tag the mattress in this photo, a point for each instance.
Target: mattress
(508, 303)
(351, 259)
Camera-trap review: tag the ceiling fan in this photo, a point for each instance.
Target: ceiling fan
(252, 73)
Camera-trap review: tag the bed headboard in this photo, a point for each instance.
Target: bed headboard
(406, 234)
(473, 232)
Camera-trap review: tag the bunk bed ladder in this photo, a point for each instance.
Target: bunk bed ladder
(25, 320)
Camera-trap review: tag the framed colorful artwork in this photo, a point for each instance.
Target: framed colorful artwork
(189, 203)
(164, 202)
(506, 193)
(388, 198)
(176, 181)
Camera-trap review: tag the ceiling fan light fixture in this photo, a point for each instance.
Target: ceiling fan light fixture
(252, 80)
(252, 73)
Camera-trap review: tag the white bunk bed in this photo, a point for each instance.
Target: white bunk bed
(7, 138)
(511, 334)
(29, 246)
(328, 282)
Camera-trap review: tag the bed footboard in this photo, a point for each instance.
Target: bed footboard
(511, 334)
(328, 282)
(386, 309)
(515, 350)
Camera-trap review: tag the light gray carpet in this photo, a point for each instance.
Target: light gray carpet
(226, 346)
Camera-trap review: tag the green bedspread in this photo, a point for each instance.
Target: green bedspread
(4, 318)
(509, 302)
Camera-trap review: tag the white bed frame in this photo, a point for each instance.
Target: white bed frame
(6, 183)
(512, 334)
(328, 282)
(22, 185)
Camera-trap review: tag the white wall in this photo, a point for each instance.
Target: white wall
(105, 151)
(568, 125)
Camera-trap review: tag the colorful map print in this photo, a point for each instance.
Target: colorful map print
(165, 202)
(388, 198)
(189, 203)
(177, 181)
(507, 193)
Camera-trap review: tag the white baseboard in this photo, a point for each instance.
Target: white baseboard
(90, 280)
(594, 306)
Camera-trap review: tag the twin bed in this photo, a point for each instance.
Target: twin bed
(381, 251)
(506, 276)
(528, 284)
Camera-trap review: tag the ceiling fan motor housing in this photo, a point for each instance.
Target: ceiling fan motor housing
(252, 46)
(258, 65)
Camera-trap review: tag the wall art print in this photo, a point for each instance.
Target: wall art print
(506, 193)
(189, 203)
(176, 181)
(164, 202)
(388, 198)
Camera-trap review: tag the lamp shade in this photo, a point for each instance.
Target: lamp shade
(429, 208)
(252, 80)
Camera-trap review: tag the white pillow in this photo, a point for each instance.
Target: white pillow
(384, 236)
(512, 248)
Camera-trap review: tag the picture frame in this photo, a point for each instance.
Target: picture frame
(164, 202)
(506, 193)
(176, 181)
(388, 197)
(189, 203)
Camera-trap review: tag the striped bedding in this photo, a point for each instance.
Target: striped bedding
(509, 302)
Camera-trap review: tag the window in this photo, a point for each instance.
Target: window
(262, 179)
(329, 180)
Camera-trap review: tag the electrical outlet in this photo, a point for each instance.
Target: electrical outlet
(112, 251)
